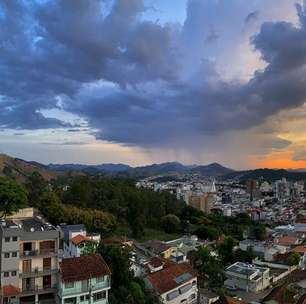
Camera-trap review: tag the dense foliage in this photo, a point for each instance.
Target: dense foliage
(103, 204)
(13, 196)
(125, 287)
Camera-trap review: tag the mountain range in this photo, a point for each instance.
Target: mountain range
(149, 170)
(21, 170)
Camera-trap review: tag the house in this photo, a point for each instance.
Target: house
(207, 296)
(76, 238)
(30, 253)
(288, 241)
(173, 283)
(84, 279)
(247, 277)
(160, 248)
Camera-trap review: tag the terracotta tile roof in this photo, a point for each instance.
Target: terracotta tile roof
(10, 291)
(156, 262)
(83, 268)
(156, 246)
(288, 241)
(166, 279)
(230, 300)
(299, 249)
(78, 239)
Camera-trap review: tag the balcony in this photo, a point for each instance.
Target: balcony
(38, 289)
(37, 272)
(38, 253)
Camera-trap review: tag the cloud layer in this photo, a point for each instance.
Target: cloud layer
(142, 83)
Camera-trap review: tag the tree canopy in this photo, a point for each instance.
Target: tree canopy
(13, 196)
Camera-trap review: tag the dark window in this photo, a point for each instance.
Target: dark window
(13, 273)
(70, 301)
(6, 255)
(14, 254)
(6, 274)
(87, 297)
(82, 298)
(14, 238)
(99, 296)
(7, 239)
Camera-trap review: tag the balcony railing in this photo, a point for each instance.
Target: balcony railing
(33, 253)
(27, 290)
(28, 273)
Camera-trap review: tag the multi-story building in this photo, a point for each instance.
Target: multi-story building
(247, 277)
(84, 280)
(76, 239)
(173, 283)
(203, 201)
(29, 258)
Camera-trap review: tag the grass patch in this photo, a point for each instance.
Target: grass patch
(156, 234)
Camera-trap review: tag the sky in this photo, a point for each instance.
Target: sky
(149, 81)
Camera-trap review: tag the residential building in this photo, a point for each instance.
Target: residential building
(173, 283)
(30, 253)
(247, 277)
(84, 280)
(203, 201)
(76, 238)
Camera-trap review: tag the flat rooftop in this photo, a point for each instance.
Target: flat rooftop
(245, 269)
(32, 224)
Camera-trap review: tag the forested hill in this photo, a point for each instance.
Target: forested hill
(265, 174)
(20, 169)
(105, 204)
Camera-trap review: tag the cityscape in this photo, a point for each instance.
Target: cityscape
(152, 152)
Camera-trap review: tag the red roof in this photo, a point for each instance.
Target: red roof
(299, 249)
(78, 239)
(10, 291)
(288, 241)
(165, 280)
(83, 268)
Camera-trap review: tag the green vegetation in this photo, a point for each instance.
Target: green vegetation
(13, 196)
(125, 288)
(294, 259)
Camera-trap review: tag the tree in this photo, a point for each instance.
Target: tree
(259, 232)
(36, 186)
(207, 232)
(171, 223)
(89, 248)
(12, 196)
(294, 259)
(225, 250)
(210, 268)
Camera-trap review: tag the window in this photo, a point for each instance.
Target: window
(82, 298)
(14, 238)
(99, 296)
(6, 274)
(14, 254)
(7, 239)
(69, 284)
(100, 279)
(13, 273)
(6, 255)
(70, 300)
(87, 297)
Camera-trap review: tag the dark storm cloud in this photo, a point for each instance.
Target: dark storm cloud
(163, 90)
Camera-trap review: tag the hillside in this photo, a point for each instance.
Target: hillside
(146, 171)
(21, 169)
(266, 174)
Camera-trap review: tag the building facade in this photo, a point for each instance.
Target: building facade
(84, 280)
(30, 253)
